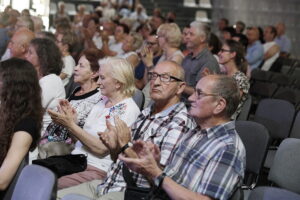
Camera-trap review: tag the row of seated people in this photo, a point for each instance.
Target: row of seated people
(171, 133)
(95, 110)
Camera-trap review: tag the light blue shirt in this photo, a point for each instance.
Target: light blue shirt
(284, 43)
(255, 54)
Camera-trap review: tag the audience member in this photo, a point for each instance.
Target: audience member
(65, 43)
(163, 123)
(19, 43)
(3, 32)
(21, 116)
(116, 83)
(45, 56)
(131, 44)
(208, 162)
(150, 54)
(239, 27)
(156, 21)
(115, 48)
(82, 99)
(255, 50)
(271, 49)
(232, 57)
(282, 40)
(185, 32)
(200, 61)
(227, 33)
(169, 39)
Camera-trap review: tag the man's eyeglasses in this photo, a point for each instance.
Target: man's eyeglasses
(224, 50)
(200, 94)
(163, 77)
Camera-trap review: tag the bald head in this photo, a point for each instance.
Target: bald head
(20, 42)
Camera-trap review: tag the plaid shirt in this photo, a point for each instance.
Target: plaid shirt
(210, 162)
(163, 129)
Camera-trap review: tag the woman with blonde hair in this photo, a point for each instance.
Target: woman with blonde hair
(116, 83)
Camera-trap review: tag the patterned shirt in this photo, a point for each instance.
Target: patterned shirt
(209, 161)
(244, 85)
(163, 129)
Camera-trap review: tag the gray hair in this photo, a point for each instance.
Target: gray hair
(202, 29)
(227, 88)
(120, 70)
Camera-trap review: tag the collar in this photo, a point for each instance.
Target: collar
(200, 54)
(147, 111)
(215, 131)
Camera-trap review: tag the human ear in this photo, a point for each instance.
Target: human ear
(221, 105)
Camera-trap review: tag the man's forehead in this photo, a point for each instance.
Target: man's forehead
(165, 68)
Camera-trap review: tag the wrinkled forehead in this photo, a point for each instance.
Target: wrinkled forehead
(206, 84)
(165, 68)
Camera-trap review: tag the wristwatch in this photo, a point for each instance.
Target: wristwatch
(129, 144)
(159, 180)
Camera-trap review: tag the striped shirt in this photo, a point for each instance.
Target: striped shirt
(163, 129)
(210, 162)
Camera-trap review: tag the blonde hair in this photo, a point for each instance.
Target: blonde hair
(172, 33)
(121, 70)
(137, 41)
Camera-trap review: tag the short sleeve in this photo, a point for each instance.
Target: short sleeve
(28, 125)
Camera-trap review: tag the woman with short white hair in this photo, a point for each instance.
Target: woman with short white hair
(116, 82)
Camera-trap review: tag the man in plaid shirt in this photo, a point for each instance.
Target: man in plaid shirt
(207, 163)
(162, 124)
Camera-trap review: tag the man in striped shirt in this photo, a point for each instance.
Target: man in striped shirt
(163, 124)
(208, 162)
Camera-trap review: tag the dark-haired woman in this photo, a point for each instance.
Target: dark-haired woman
(232, 56)
(82, 100)
(21, 114)
(45, 56)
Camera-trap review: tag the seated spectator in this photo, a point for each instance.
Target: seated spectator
(45, 56)
(185, 31)
(169, 40)
(156, 21)
(282, 40)
(271, 49)
(131, 44)
(115, 48)
(227, 33)
(163, 123)
(255, 50)
(139, 16)
(208, 162)
(65, 43)
(116, 84)
(232, 57)
(239, 27)
(150, 54)
(82, 100)
(21, 114)
(19, 43)
(200, 61)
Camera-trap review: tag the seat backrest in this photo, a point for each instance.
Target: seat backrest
(276, 115)
(35, 183)
(139, 98)
(285, 171)
(295, 132)
(255, 138)
(245, 109)
(6, 195)
(272, 193)
(286, 93)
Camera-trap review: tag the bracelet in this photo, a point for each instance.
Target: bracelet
(129, 144)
